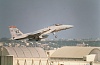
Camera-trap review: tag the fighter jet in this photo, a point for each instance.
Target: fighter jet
(16, 34)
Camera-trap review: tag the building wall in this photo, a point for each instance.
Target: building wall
(96, 63)
(10, 60)
(97, 52)
(6, 60)
(74, 63)
(66, 59)
(30, 61)
(70, 63)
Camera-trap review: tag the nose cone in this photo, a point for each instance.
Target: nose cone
(68, 26)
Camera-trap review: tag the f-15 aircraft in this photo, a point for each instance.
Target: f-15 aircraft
(37, 35)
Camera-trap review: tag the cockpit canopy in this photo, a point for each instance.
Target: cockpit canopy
(57, 24)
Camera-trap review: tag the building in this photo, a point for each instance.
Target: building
(22, 56)
(75, 55)
(37, 56)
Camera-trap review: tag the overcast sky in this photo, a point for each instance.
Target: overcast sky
(32, 15)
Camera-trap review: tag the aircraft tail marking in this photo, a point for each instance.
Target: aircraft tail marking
(14, 31)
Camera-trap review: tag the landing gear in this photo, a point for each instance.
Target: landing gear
(55, 35)
(38, 40)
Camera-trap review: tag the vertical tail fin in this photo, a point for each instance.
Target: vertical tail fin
(14, 31)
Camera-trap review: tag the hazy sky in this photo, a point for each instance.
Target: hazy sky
(31, 15)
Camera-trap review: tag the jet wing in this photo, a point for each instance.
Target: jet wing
(37, 33)
(40, 32)
(31, 35)
(50, 31)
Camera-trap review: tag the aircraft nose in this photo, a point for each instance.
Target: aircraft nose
(68, 26)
